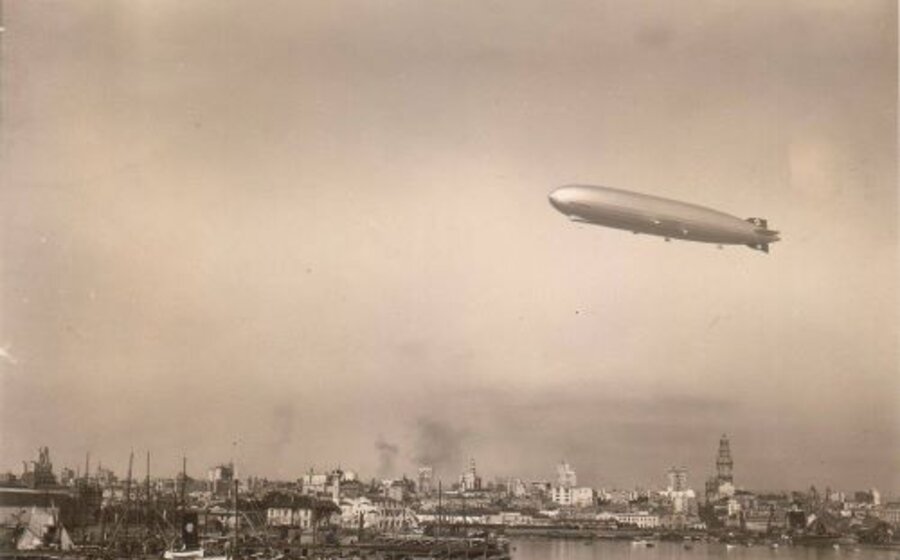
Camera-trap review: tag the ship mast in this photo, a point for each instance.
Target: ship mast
(183, 480)
(234, 537)
(128, 492)
(147, 482)
(440, 512)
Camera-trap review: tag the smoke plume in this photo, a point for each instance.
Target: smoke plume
(387, 453)
(438, 445)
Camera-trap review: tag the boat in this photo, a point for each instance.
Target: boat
(183, 554)
(192, 554)
(191, 548)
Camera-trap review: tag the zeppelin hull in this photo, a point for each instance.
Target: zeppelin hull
(671, 219)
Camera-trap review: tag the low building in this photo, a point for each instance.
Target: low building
(289, 511)
(314, 484)
(393, 516)
(351, 489)
(584, 497)
(398, 490)
(561, 495)
(640, 519)
(379, 514)
(573, 497)
(757, 522)
(510, 518)
(890, 513)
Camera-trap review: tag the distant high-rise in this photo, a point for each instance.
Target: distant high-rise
(876, 497)
(426, 480)
(220, 479)
(724, 464)
(470, 480)
(41, 474)
(712, 489)
(677, 479)
(565, 476)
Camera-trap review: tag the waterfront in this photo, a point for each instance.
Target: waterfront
(573, 549)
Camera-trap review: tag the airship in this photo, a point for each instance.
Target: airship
(654, 215)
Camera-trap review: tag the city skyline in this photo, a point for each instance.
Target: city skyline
(320, 234)
(674, 478)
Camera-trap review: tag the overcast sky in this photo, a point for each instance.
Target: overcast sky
(310, 234)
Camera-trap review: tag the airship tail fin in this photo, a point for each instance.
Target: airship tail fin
(759, 222)
(762, 227)
(764, 247)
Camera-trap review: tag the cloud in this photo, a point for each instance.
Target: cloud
(6, 356)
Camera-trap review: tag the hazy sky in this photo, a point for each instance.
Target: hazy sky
(316, 233)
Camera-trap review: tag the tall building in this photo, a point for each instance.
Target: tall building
(681, 498)
(516, 487)
(221, 479)
(724, 464)
(470, 480)
(41, 473)
(677, 479)
(712, 489)
(565, 475)
(721, 485)
(426, 480)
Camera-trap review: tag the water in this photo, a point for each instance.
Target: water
(562, 549)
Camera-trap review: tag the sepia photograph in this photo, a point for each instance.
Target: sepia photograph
(449, 280)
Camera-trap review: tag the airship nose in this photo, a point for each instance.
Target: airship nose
(557, 200)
